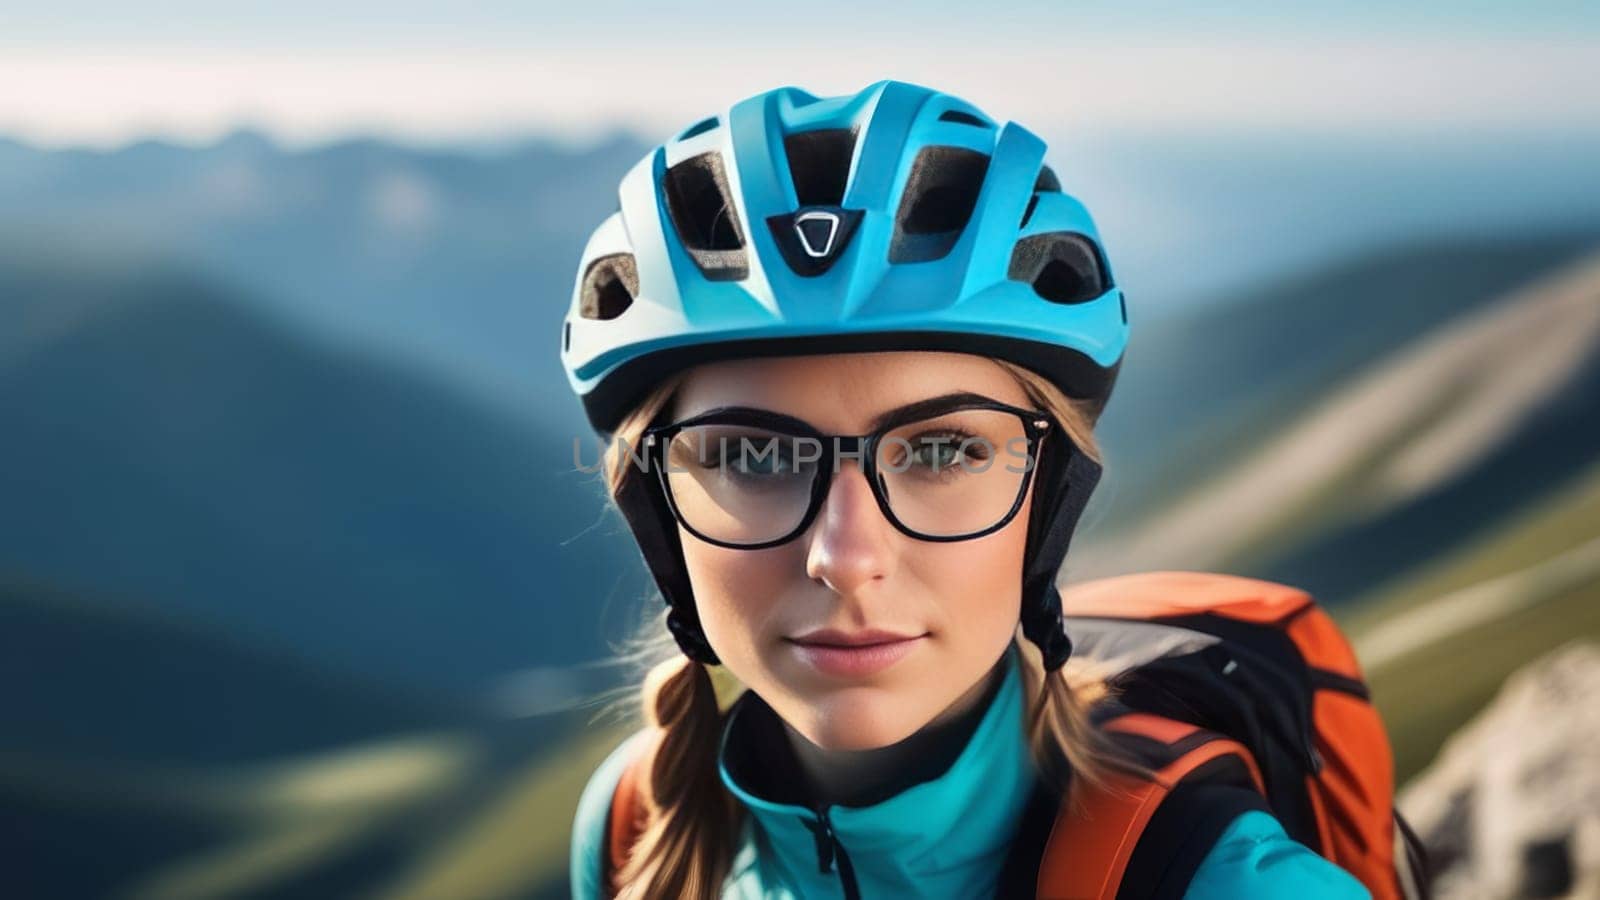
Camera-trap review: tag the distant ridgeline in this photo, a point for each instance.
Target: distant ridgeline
(1340, 429)
(175, 448)
(458, 258)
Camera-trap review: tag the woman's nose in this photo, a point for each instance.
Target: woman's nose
(850, 545)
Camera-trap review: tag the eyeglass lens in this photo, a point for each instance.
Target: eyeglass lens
(949, 475)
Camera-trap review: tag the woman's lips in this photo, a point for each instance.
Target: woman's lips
(854, 661)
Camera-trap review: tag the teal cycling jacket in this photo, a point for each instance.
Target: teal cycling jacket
(944, 838)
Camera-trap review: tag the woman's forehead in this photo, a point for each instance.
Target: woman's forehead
(842, 391)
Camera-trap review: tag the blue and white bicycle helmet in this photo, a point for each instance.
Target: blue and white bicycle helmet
(896, 218)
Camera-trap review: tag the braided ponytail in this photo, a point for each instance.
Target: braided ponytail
(688, 841)
(692, 821)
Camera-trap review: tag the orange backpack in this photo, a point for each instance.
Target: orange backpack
(1238, 694)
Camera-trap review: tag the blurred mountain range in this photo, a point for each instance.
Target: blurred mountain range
(168, 443)
(290, 488)
(463, 261)
(456, 261)
(1335, 431)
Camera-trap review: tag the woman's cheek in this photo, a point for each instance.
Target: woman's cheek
(980, 582)
(735, 593)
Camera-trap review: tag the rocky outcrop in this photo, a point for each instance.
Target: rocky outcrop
(1511, 808)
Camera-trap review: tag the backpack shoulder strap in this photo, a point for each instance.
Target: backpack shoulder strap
(1181, 834)
(624, 824)
(1097, 830)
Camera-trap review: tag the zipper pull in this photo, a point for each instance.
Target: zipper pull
(822, 830)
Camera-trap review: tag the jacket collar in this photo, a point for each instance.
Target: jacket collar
(952, 831)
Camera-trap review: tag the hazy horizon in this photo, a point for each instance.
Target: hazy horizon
(488, 71)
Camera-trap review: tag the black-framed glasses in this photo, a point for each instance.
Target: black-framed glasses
(950, 468)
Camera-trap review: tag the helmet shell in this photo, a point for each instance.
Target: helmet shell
(896, 218)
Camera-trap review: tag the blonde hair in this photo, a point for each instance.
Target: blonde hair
(693, 822)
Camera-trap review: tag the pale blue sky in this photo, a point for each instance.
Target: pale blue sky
(95, 73)
(297, 21)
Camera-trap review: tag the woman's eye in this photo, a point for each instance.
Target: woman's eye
(757, 458)
(947, 450)
(756, 464)
(936, 455)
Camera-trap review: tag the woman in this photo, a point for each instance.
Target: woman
(850, 352)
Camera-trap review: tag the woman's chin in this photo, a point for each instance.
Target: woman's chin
(857, 724)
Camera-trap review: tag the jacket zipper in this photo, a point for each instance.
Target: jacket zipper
(830, 851)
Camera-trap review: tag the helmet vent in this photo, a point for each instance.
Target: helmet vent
(1063, 267)
(700, 127)
(702, 211)
(819, 163)
(938, 201)
(956, 115)
(609, 286)
(1046, 182)
(566, 335)
(1027, 214)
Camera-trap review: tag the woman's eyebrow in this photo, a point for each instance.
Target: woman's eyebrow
(926, 407)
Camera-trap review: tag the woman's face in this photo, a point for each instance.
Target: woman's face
(851, 569)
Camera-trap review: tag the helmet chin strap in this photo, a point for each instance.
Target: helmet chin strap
(656, 531)
(1063, 480)
(1062, 485)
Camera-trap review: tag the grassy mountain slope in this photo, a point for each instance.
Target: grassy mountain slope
(135, 740)
(1438, 642)
(165, 441)
(1429, 445)
(1200, 391)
